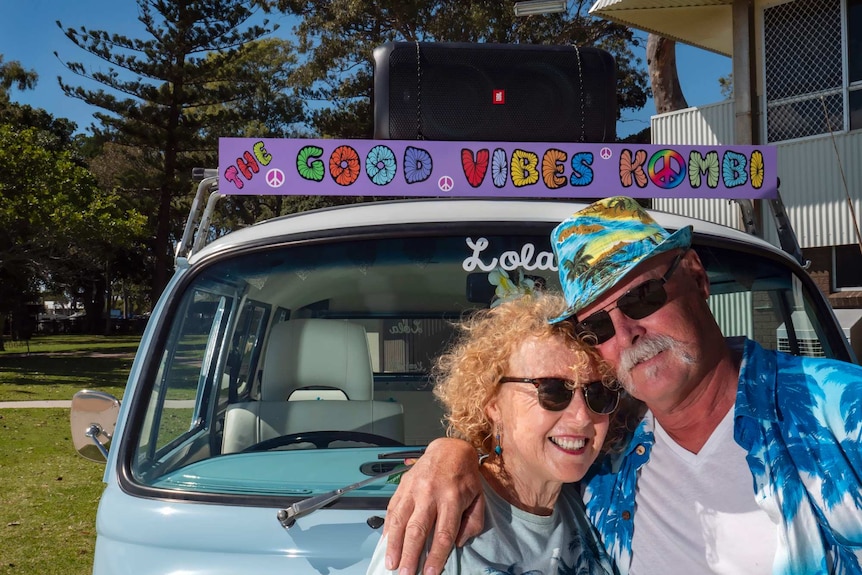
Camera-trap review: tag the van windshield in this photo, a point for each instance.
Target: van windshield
(293, 369)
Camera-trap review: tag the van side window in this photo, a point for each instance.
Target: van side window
(177, 413)
(242, 358)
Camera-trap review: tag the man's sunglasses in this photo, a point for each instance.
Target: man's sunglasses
(637, 303)
(555, 393)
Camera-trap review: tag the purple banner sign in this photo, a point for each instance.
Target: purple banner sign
(493, 169)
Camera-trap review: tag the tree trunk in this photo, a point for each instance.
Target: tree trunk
(161, 255)
(94, 306)
(109, 298)
(661, 61)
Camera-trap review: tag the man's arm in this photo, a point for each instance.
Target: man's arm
(443, 486)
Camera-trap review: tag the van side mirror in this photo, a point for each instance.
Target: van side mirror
(93, 418)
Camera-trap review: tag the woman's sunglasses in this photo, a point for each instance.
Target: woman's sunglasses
(637, 303)
(555, 393)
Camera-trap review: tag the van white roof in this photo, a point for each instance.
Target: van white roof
(422, 211)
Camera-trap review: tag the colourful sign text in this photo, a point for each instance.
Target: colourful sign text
(501, 169)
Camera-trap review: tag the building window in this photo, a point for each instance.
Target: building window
(848, 267)
(804, 46)
(856, 109)
(854, 61)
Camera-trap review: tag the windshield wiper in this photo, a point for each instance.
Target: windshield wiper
(287, 517)
(414, 454)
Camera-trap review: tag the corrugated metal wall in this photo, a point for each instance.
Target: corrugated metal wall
(813, 189)
(701, 126)
(704, 126)
(733, 313)
(810, 171)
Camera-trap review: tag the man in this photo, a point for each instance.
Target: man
(747, 460)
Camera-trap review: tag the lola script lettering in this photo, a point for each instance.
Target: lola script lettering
(404, 326)
(528, 258)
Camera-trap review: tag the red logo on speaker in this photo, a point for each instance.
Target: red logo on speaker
(499, 96)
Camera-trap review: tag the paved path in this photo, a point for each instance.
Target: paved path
(60, 403)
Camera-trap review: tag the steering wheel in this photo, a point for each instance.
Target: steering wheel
(322, 440)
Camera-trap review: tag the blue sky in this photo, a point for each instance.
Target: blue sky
(29, 34)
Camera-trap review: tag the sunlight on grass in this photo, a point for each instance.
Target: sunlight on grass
(60, 343)
(50, 493)
(59, 366)
(49, 496)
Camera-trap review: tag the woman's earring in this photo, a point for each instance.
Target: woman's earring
(498, 448)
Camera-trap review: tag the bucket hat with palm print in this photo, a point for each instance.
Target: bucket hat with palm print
(598, 245)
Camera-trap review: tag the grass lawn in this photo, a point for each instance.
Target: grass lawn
(50, 493)
(58, 366)
(49, 496)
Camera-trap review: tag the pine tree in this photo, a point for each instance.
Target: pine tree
(155, 89)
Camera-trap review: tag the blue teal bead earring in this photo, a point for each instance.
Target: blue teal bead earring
(498, 449)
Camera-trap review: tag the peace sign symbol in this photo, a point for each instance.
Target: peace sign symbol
(605, 153)
(666, 169)
(275, 178)
(445, 183)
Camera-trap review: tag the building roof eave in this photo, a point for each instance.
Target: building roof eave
(705, 24)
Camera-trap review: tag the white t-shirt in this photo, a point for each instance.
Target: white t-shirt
(696, 512)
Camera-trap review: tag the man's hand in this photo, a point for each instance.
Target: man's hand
(442, 486)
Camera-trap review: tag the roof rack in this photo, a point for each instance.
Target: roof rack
(191, 241)
(786, 234)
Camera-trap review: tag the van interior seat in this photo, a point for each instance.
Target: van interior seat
(317, 358)
(317, 376)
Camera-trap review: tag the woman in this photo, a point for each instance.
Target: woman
(537, 404)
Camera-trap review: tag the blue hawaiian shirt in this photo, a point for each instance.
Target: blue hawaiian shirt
(800, 420)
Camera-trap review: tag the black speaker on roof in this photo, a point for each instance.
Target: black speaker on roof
(506, 92)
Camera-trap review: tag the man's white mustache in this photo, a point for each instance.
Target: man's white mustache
(645, 348)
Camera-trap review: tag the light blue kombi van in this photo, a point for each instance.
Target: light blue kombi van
(290, 359)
